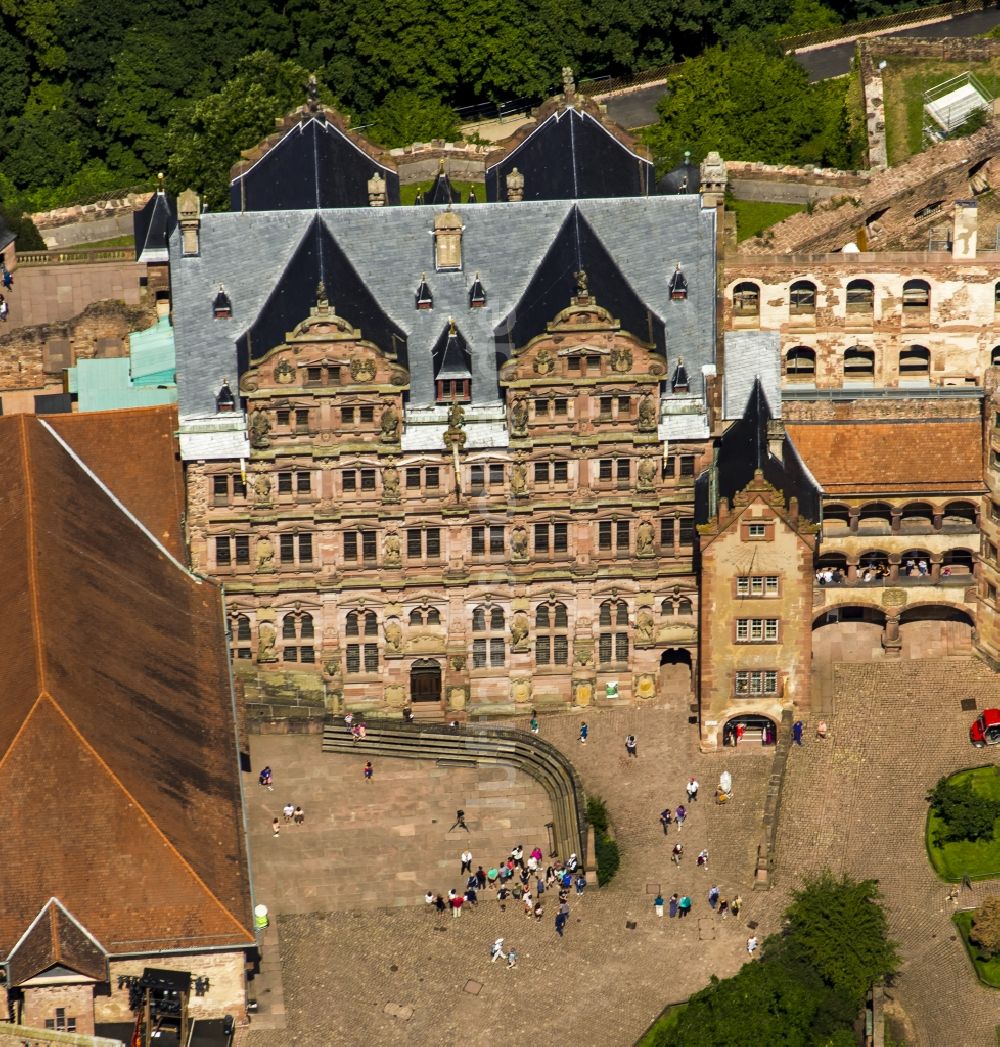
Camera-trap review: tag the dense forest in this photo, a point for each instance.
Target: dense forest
(98, 95)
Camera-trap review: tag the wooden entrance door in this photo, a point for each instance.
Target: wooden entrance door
(425, 681)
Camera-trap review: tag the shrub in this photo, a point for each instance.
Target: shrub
(985, 931)
(608, 856)
(966, 814)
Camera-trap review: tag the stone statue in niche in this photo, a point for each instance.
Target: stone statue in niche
(519, 631)
(393, 637)
(644, 539)
(519, 478)
(392, 550)
(390, 424)
(390, 482)
(265, 554)
(456, 416)
(646, 474)
(645, 626)
(519, 542)
(267, 637)
(519, 416)
(260, 427)
(647, 414)
(261, 488)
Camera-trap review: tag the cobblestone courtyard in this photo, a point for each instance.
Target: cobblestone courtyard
(854, 803)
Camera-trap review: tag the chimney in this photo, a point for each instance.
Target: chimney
(965, 226)
(448, 241)
(714, 179)
(776, 439)
(376, 190)
(515, 186)
(189, 219)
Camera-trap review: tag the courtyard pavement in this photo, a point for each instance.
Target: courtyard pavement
(385, 971)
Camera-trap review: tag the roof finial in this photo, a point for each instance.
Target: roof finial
(581, 283)
(452, 326)
(441, 166)
(321, 299)
(161, 181)
(569, 84)
(312, 93)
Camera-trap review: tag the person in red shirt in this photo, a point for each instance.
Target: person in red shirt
(456, 905)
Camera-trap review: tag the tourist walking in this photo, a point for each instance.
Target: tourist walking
(439, 904)
(496, 951)
(723, 907)
(702, 859)
(666, 817)
(288, 810)
(713, 896)
(429, 898)
(459, 821)
(735, 905)
(561, 919)
(456, 905)
(752, 944)
(679, 815)
(266, 779)
(658, 904)
(533, 722)
(631, 745)
(677, 853)
(583, 732)
(692, 789)
(369, 771)
(466, 862)
(299, 816)
(4, 309)
(684, 906)
(581, 882)
(797, 729)
(672, 908)
(276, 827)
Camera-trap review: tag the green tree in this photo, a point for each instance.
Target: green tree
(207, 136)
(966, 814)
(839, 928)
(408, 116)
(985, 930)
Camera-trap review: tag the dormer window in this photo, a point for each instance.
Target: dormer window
(225, 402)
(448, 241)
(477, 294)
(222, 307)
(678, 285)
(679, 380)
(452, 367)
(424, 298)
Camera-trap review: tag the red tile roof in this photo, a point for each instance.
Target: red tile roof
(901, 456)
(134, 451)
(118, 760)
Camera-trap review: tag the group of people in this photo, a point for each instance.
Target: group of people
(7, 278)
(292, 814)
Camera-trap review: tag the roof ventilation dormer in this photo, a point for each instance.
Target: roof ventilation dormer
(453, 367)
(678, 285)
(425, 300)
(225, 402)
(189, 219)
(679, 379)
(477, 294)
(222, 307)
(515, 186)
(448, 230)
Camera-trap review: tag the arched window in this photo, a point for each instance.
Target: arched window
(877, 513)
(746, 299)
(362, 657)
(996, 294)
(416, 618)
(959, 561)
(667, 608)
(491, 649)
(859, 363)
(297, 635)
(684, 606)
(917, 516)
(959, 514)
(914, 362)
(995, 356)
(433, 616)
(860, 296)
(551, 634)
(838, 515)
(916, 294)
(915, 563)
(241, 637)
(612, 644)
(802, 297)
(800, 364)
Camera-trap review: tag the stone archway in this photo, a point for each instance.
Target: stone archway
(425, 680)
(676, 679)
(935, 631)
(758, 729)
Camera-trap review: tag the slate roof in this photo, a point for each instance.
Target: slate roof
(56, 938)
(902, 456)
(147, 479)
(751, 356)
(152, 226)
(370, 261)
(571, 155)
(314, 164)
(118, 757)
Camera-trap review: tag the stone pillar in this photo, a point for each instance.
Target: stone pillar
(852, 570)
(891, 641)
(853, 515)
(938, 519)
(189, 219)
(897, 517)
(935, 566)
(894, 567)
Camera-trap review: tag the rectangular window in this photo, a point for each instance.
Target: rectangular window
(496, 474)
(283, 417)
(305, 548)
(347, 415)
(476, 474)
(605, 406)
(560, 650)
(223, 552)
(284, 483)
(414, 545)
(412, 477)
(242, 549)
(367, 414)
(757, 585)
(622, 528)
(303, 483)
(573, 363)
(670, 466)
(687, 465)
(541, 472)
(562, 408)
(541, 538)
(742, 586)
(353, 658)
(349, 480)
(667, 532)
(371, 657)
(367, 479)
(497, 652)
(560, 538)
(770, 585)
(605, 469)
(991, 593)
(624, 469)
(755, 682)
(496, 540)
(314, 375)
(541, 408)
(593, 365)
(432, 477)
(757, 630)
(478, 654)
(220, 489)
(560, 472)
(604, 536)
(301, 419)
(350, 545)
(369, 550)
(756, 530)
(621, 647)
(287, 545)
(433, 542)
(624, 406)
(478, 541)
(543, 650)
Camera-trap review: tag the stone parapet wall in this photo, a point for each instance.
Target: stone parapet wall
(420, 162)
(877, 410)
(950, 49)
(100, 209)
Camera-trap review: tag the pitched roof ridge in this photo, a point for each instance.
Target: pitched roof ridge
(29, 525)
(157, 831)
(24, 726)
(114, 498)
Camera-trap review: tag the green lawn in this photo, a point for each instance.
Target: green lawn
(117, 241)
(657, 1034)
(408, 193)
(978, 859)
(988, 970)
(754, 216)
(905, 81)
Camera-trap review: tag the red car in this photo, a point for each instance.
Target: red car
(985, 729)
